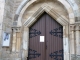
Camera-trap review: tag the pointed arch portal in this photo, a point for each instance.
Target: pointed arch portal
(62, 21)
(45, 39)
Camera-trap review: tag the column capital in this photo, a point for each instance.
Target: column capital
(72, 27)
(77, 27)
(16, 29)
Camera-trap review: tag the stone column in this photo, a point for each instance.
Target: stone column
(77, 42)
(72, 42)
(16, 39)
(66, 43)
(25, 43)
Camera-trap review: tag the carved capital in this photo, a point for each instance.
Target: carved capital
(77, 26)
(16, 29)
(72, 27)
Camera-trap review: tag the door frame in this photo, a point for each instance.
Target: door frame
(64, 22)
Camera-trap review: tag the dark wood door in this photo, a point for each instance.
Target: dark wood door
(52, 46)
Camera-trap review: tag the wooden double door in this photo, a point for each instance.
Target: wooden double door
(45, 39)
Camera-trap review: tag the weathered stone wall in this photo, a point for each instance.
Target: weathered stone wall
(78, 3)
(18, 48)
(16, 5)
(8, 15)
(9, 12)
(2, 4)
(8, 9)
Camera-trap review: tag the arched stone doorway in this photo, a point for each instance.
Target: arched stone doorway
(28, 17)
(58, 18)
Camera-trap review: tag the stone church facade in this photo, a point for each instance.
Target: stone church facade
(18, 15)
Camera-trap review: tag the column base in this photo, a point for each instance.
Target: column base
(75, 57)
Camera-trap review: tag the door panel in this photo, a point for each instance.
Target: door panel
(52, 47)
(36, 31)
(54, 40)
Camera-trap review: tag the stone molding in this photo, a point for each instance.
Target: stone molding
(75, 27)
(68, 8)
(48, 10)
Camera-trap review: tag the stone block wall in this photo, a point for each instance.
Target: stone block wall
(6, 22)
(2, 4)
(17, 3)
(6, 27)
(8, 15)
(8, 9)
(15, 51)
(9, 12)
